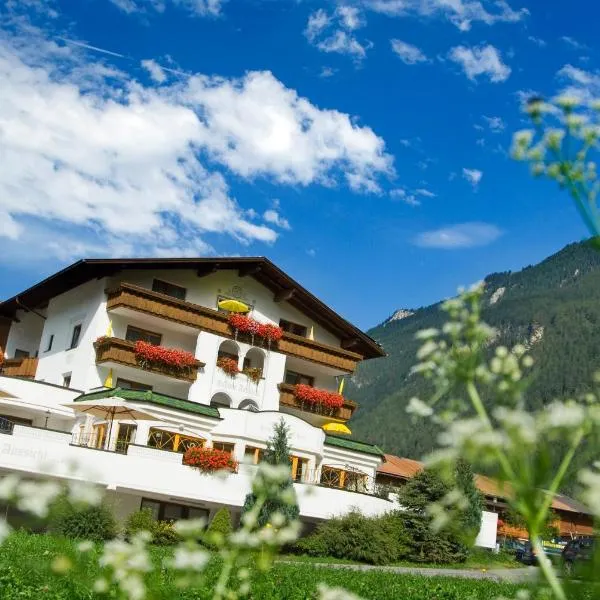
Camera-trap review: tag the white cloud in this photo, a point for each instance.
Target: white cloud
(573, 43)
(155, 70)
(496, 124)
(335, 33)
(462, 235)
(409, 54)
(461, 13)
(537, 41)
(350, 17)
(327, 72)
(404, 196)
(482, 60)
(582, 84)
(203, 8)
(127, 168)
(473, 176)
(311, 252)
(480, 142)
(273, 217)
(425, 192)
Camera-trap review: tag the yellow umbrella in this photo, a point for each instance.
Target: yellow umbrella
(336, 428)
(233, 306)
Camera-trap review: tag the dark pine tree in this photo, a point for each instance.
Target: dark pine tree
(471, 516)
(276, 453)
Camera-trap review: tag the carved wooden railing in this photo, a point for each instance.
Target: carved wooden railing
(111, 349)
(19, 367)
(288, 398)
(211, 320)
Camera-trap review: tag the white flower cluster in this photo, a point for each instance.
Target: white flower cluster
(591, 495)
(329, 593)
(562, 153)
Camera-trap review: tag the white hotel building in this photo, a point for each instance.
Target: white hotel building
(71, 339)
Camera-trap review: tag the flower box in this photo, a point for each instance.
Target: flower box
(152, 356)
(329, 401)
(228, 365)
(266, 331)
(209, 460)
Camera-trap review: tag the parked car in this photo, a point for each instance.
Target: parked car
(578, 553)
(552, 549)
(526, 554)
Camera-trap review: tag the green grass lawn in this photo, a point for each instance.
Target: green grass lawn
(479, 559)
(25, 573)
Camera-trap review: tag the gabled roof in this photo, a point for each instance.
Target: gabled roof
(260, 268)
(149, 397)
(405, 468)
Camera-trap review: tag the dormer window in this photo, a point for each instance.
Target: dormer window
(292, 327)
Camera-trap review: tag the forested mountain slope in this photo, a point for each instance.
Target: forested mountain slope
(552, 307)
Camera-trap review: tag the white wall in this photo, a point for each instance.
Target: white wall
(486, 537)
(25, 334)
(204, 291)
(85, 304)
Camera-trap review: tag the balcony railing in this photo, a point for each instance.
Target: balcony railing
(288, 398)
(116, 350)
(19, 367)
(345, 478)
(202, 318)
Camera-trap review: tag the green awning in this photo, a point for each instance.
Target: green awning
(149, 397)
(354, 445)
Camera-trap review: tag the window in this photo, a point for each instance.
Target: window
(125, 436)
(294, 378)
(126, 384)
(169, 289)
(135, 334)
(252, 455)
(75, 337)
(50, 342)
(169, 511)
(225, 446)
(17, 420)
(67, 380)
(299, 468)
(294, 328)
(21, 353)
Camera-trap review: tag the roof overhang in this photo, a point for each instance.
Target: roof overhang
(283, 287)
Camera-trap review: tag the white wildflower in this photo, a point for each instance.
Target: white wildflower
(428, 348)
(329, 593)
(419, 408)
(36, 497)
(567, 102)
(189, 560)
(4, 530)
(101, 586)
(9, 486)
(523, 138)
(190, 527)
(85, 493)
(567, 415)
(426, 334)
(85, 546)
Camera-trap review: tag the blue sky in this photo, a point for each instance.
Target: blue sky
(362, 144)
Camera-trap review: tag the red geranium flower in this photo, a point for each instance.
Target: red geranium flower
(209, 460)
(228, 365)
(159, 355)
(315, 396)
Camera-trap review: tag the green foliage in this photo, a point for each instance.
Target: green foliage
(220, 528)
(95, 523)
(551, 307)
(140, 520)
(425, 545)
(471, 516)
(162, 532)
(277, 453)
(377, 541)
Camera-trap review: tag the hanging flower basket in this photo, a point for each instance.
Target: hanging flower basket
(266, 331)
(329, 401)
(228, 365)
(253, 373)
(172, 359)
(209, 460)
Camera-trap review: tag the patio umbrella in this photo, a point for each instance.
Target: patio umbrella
(109, 409)
(336, 428)
(234, 306)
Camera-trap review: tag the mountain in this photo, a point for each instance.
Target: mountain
(552, 307)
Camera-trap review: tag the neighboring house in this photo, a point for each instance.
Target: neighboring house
(573, 519)
(96, 333)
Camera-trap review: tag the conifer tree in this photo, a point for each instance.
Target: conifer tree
(276, 453)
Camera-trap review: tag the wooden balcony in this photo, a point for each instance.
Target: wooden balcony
(116, 350)
(132, 297)
(287, 399)
(19, 367)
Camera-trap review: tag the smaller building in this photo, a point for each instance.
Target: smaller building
(573, 518)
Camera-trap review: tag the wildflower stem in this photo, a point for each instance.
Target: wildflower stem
(483, 415)
(547, 569)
